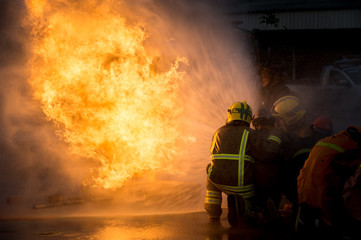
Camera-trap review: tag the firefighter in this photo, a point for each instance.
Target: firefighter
(321, 182)
(289, 114)
(267, 173)
(235, 146)
(297, 154)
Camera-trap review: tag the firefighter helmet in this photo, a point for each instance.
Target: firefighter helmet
(239, 111)
(289, 109)
(323, 123)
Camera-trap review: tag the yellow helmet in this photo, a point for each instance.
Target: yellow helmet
(239, 111)
(289, 108)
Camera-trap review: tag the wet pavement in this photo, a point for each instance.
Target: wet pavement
(194, 225)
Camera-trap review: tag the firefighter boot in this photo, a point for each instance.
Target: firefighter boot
(273, 212)
(236, 209)
(232, 210)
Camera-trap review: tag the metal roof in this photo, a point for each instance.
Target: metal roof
(255, 6)
(294, 14)
(330, 19)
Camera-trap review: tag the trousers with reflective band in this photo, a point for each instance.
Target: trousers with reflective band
(213, 197)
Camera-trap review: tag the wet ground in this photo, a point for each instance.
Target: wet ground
(194, 225)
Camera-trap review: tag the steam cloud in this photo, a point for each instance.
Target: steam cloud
(32, 157)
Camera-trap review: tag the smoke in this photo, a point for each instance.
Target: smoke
(339, 104)
(219, 71)
(34, 162)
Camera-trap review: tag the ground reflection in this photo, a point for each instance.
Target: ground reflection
(132, 232)
(190, 226)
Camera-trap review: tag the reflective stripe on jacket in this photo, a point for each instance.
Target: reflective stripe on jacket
(234, 147)
(242, 187)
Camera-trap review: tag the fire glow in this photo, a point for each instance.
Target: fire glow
(100, 86)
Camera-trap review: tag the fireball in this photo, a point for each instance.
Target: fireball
(100, 87)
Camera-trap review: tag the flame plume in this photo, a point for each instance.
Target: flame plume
(100, 86)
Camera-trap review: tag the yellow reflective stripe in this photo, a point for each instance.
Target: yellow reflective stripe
(210, 170)
(214, 141)
(275, 138)
(242, 151)
(246, 188)
(212, 201)
(305, 150)
(225, 156)
(330, 145)
(213, 197)
(214, 194)
(248, 194)
(248, 158)
(231, 157)
(245, 192)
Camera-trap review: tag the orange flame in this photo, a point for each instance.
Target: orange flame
(100, 85)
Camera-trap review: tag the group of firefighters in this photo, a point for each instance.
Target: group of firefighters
(256, 160)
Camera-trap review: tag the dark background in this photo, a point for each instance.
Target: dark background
(311, 49)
